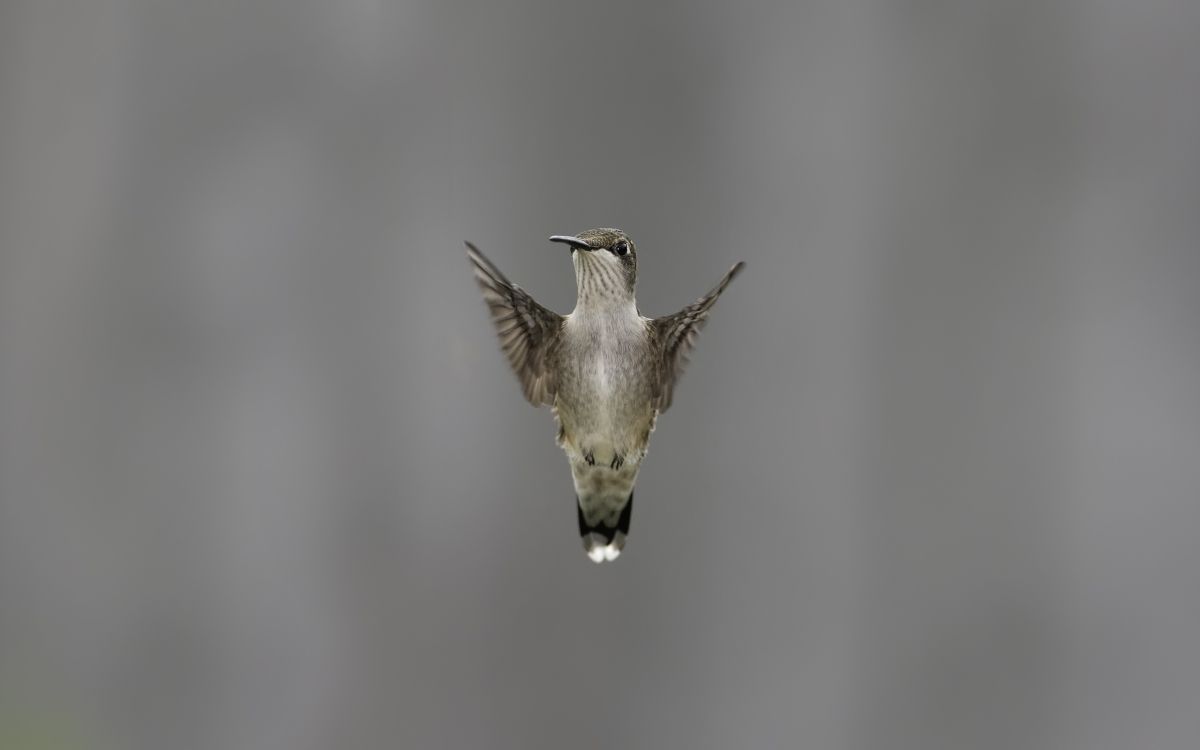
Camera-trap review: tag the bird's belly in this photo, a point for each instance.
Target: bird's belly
(604, 414)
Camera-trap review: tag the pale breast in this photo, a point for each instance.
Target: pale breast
(604, 395)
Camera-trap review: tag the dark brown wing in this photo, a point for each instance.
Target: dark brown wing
(676, 335)
(527, 330)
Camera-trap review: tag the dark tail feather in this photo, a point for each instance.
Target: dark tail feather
(603, 543)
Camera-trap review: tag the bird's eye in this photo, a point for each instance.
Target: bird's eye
(621, 248)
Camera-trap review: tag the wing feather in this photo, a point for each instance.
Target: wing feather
(676, 337)
(528, 332)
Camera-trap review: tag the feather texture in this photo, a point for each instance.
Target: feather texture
(528, 331)
(676, 336)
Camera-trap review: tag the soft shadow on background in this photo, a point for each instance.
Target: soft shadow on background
(931, 481)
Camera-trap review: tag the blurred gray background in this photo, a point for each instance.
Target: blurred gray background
(931, 481)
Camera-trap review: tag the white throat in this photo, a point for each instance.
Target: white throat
(601, 288)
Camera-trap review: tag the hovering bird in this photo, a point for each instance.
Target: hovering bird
(605, 371)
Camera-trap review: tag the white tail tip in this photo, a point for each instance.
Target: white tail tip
(600, 549)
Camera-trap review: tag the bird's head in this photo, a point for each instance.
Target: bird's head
(605, 265)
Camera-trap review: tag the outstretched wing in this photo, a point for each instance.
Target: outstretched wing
(676, 335)
(528, 332)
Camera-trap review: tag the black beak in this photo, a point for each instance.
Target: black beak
(574, 242)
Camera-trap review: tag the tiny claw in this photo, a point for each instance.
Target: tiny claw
(591, 460)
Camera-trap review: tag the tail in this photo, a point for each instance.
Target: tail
(602, 542)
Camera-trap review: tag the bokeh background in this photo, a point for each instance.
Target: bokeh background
(932, 481)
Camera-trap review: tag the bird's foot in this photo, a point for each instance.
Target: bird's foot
(589, 458)
(617, 462)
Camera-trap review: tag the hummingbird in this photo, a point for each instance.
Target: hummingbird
(605, 370)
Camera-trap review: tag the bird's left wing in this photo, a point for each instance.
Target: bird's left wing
(675, 336)
(528, 331)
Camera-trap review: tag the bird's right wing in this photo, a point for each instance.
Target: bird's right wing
(528, 331)
(675, 336)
